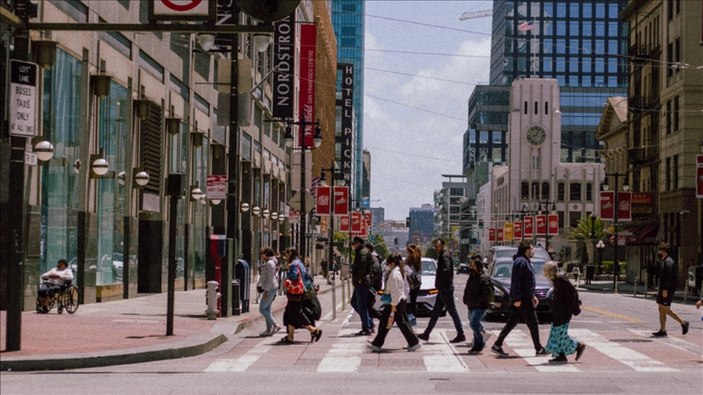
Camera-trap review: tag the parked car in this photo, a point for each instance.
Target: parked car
(428, 293)
(463, 267)
(500, 267)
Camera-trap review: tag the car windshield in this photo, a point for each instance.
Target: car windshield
(539, 253)
(429, 267)
(504, 270)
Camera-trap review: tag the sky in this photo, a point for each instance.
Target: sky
(416, 104)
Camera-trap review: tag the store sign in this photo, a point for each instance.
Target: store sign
(23, 98)
(216, 187)
(347, 118)
(181, 9)
(642, 204)
(284, 64)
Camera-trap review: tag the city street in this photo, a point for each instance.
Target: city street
(621, 357)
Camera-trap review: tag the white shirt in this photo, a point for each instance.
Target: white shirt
(57, 276)
(395, 286)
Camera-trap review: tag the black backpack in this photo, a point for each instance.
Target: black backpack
(376, 273)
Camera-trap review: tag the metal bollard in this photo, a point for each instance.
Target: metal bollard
(212, 296)
(236, 309)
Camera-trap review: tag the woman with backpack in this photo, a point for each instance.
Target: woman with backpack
(477, 295)
(294, 316)
(414, 262)
(565, 304)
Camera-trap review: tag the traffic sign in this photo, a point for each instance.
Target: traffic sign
(23, 98)
(216, 187)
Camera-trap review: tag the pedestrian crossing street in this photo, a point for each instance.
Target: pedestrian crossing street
(340, 351)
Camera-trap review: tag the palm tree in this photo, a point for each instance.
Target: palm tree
(588, 230)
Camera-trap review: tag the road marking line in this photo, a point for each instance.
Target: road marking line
(242, 363)
(343, 356)
(624, 355)
(441, 356)
(609, 313)
(674, 342)
(521, 343)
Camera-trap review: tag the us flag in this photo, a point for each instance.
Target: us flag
(526, 26)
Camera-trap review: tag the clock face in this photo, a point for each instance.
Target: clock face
(536, 135)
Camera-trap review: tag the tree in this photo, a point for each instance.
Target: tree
(587, 230)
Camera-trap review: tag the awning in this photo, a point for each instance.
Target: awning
(644, 234)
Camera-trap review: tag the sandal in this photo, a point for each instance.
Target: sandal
(285, 340)
(315, 336)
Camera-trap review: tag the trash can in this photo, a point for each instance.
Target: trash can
(590, 273)
(236, 310)
(243, 274)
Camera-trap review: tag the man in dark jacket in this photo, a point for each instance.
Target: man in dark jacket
(476, 298)
(667, 288)
(444, 282)
(524, 301)
(361, 270)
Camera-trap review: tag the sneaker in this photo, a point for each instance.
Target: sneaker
(275, 329)
(579, 350)
(375, 348)
(684, 328)
(414, 348)
(475, 350)
(660, 333)
(559, 360)
(458, 339)
(499, 350)
(423, 336)
(541, 351)
(266, 333)
(363, 332)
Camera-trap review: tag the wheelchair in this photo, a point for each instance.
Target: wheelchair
(65, 299)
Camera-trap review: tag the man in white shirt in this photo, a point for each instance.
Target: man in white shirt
(54, 280)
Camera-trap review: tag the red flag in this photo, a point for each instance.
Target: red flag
(553, 224)
(624, 206)
(306, 94)
(368, 217)
(356, 222)
(699, 181)
(499, 234)
(491, 234)
(341, 201)
(607, 205)
(541, 224)
(517, 230)
(344, 223)
(323, 200)
(529, 226)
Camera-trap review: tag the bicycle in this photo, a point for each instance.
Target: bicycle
(66, 299)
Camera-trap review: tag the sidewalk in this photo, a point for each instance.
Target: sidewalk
(624, 288)
(126, 331)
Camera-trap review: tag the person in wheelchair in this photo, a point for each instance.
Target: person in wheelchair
(55, 280)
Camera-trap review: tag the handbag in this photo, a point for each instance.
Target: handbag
(415, 281)
(295, 287)
(386, 299)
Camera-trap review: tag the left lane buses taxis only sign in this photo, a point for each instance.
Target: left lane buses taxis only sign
(23, 98)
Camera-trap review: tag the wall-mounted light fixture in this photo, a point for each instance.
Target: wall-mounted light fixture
(100, 84)
(244, 207)
(173, 125)
(197, 139)
(98, 165)
(140, 177)
(274, 215)
(142, 107)
(44, 52)
(266, 213)
(195, 192)
(206, 41)
(261, 41)
(256, 210)
(42, 148)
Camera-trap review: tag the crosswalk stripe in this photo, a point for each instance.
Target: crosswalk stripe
(521, 343)
(439, 355)
(674, 342)
(242, 363)
(624, 355)
(344, 356)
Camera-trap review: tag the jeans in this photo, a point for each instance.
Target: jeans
(475, 317)
(529, 315)
(401, 319)
(445, 297)
(360, 304)
(265, 307)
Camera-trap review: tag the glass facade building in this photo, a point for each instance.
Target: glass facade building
(348, 22)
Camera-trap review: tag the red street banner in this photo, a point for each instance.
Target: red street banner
(517, 230)
(344, 224)
(607, 205)
(624, 206)
(699, 176)
(356, 222)
(553, 224)
(491, 234)
(499, 234)
(368, 217)
(323, 200)
(341, 201)
(529, 226)
(306, 96)
(541, 224)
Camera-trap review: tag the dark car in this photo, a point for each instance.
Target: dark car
(463, 267)
(500, 267)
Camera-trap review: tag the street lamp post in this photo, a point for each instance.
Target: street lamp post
(317, 140)
(600, 246)
(330, 254)
(625, 187)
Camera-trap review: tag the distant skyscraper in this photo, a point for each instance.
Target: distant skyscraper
(348, 21)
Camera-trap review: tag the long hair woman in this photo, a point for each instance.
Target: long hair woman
(414, 262)
(565, 303)
(293, 316)
(396, 311)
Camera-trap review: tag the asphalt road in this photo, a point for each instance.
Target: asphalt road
(621, 357)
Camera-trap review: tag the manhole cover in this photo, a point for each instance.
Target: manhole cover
(630, 340)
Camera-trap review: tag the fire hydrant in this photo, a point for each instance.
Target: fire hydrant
(212, 295)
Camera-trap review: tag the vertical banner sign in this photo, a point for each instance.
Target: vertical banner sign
(341, 200)
(517, 230)
(499, 234)
(356, 222)
(366, 220)
(344, 223)
(306, 98)
(699, 176)
(553, 224)
(541, 225)
(508, 231)
(284, 64)
(624, 206)
(491, 234)
(607, 205)
(23, 98)
(347, 107)
(323, 200)
(529, 223)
